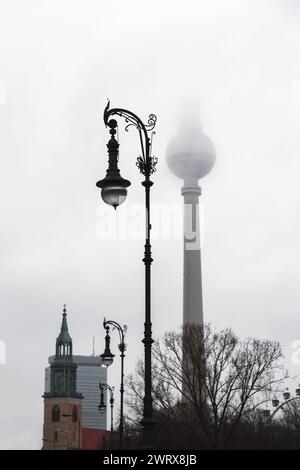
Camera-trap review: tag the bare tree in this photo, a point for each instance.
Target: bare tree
(208, 382)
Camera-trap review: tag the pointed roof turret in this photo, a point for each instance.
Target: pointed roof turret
(64, 340)
(63, 369)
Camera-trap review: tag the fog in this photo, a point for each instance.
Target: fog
(238, 64)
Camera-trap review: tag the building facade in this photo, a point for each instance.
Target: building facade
(62, 402)
(89, 374)
(71, 396)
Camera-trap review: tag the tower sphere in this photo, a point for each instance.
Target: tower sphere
(190, 154)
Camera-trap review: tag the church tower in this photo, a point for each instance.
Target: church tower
(62, 405)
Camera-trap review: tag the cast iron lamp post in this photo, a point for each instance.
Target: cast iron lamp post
(107, 359)
(113, 192)
(102, 406)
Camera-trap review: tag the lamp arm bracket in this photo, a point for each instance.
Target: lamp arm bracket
(146, 163)
(108, 387)
(118, 327)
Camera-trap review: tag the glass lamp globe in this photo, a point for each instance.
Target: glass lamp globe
(114, 195)
(107, 360)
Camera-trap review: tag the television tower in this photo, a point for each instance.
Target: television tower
(191, 155)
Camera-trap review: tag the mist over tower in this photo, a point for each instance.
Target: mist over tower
(190, 156)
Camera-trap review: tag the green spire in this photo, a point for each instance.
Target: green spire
(64, 340)
(63, 369)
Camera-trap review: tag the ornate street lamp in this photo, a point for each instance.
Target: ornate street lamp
(102, 406)
(107, 359)
(113, 192)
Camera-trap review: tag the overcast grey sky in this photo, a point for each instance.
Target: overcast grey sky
(60, 60)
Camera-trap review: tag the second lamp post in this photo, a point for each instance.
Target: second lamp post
(107, 359)
(102, 407)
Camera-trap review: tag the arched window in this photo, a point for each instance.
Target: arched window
(55, 413)
(74, 414)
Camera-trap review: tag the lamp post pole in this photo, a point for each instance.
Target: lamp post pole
(102, 406)
(107, 359)
(113, 192)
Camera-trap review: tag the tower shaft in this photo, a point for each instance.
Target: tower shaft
(192, 280)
